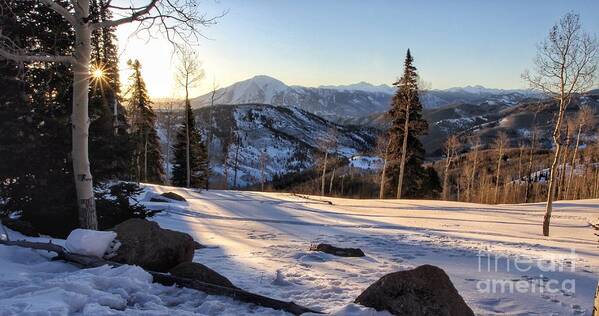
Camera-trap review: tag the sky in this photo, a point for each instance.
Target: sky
(331, 42)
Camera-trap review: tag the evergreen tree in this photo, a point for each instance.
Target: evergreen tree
(35, 170)
(406, 105)
(147, 158)
(198, 154)
(111, 147)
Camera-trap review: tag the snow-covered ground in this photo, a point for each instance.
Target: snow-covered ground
(495, 255)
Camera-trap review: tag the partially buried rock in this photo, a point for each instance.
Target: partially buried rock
(173, 196)
(199, 272)
(424, 291)
(341, 252)
(145, 244)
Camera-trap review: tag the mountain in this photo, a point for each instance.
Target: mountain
(362, 86)
(325, 102)
(290, 137)
(349, 101)
(488, 119)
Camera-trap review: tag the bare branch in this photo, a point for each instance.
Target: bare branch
(135, 16)
(35, 58)
(9, 50)
(60, 10)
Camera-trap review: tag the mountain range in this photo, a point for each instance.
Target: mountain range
(350, 101)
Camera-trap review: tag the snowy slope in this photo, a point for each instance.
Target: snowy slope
(254, 237)
(288, 139)
(257, 234)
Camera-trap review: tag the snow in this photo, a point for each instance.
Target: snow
(366, 162)
(89, 242)
(261, 241)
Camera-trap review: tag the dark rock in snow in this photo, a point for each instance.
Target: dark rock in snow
(341, 252)
(145, 244)
(197, 245)
(173, 196)
(424, 291)
(200, 272)
(20, 226)
(157, 199)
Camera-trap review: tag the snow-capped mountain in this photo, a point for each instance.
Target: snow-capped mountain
(349, 101)
(288, 139)
(325, 102)
(362, 86)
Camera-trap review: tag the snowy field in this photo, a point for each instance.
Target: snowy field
(494, 254)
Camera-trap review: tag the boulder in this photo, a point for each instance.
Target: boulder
(173, 196)
(341, 252)
(199, 272)
(145, 244)
(424, 291)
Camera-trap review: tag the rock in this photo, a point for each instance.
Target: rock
(157, 199)
(341, 252)
(20, 226)
(145, 244)
(197, 245)
(200, 272)
(173, 196)
(424, 291)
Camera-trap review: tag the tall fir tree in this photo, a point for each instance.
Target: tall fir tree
(198, 154)
(147, 158)
(111, 145)
(406, 105)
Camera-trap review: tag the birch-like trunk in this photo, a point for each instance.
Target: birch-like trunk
(573, 163)
(236, 163)
(529, 171)
(498, 175)
(471, 182)
(331, 182)
(552, 175)
(146, 156)
(446, 176)
(383, 175)
(324, 171)
(404, 146)
(80, 120)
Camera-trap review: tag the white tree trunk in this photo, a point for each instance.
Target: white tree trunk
(446, 176)
(324, 171)
(331, 182)
(471, 182)
(404, 147)
(497, 177)
(573, 164)
(552, 175)
(80, 121)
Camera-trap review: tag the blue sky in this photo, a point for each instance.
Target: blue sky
(455, 43)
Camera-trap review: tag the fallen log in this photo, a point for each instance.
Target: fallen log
(167, 279)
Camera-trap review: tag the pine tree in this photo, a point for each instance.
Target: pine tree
(111, 145)
(198, 154)
(405, 114)
(147, 158)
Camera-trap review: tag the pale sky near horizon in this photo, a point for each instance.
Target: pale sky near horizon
(329, 42)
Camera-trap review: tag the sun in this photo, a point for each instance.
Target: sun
(98, 75)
